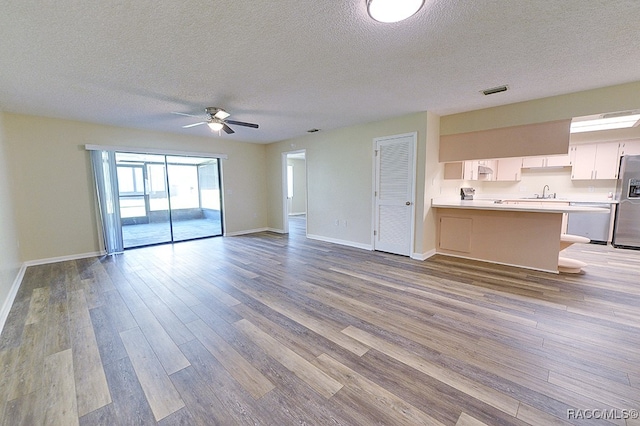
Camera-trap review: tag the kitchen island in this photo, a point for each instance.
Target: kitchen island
(510, 232)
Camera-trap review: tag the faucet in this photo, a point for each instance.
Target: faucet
(544, 188)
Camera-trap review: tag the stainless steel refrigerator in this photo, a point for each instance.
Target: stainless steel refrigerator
(626, 231)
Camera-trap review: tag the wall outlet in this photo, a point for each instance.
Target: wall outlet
(337, 222)
(591, 189)
(345, 223)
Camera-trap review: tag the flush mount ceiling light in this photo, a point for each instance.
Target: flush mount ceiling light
(393, 10)
(605, 122)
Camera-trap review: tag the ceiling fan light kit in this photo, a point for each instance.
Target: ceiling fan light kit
(215, 126)
(389, 11)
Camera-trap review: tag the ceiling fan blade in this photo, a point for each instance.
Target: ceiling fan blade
(242, 123)
(186, 115)
(194, 124)
(228, 130)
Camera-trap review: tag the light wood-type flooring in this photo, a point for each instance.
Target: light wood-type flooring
(281, 330)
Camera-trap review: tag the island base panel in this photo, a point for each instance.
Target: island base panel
(525, 239)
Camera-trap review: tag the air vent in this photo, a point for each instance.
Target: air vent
(495, 90)
(313, 130)
(618, 114)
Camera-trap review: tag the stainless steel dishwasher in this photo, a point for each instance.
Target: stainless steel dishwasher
(594, 226)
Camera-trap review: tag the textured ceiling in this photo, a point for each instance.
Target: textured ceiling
(293, 65)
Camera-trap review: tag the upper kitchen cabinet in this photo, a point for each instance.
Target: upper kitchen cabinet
(471, 170)
(480, 170)
(546, 161)
(508, 169)
(629, 147)
(594, 161)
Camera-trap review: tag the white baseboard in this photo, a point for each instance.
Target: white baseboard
(341, 242)
(64, 258)
(298, 214)
(423, 256)
(13, 292)
(245, 232)
(276, 230)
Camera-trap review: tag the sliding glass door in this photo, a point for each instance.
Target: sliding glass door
(194, 187)
(168, 198)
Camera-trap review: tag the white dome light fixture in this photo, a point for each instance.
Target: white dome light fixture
(215, 125)
(388, 11)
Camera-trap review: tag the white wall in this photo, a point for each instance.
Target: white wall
(340, 179)
(54, 195)
(9, 256)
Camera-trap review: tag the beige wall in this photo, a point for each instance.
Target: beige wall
(340, 179)
(9, 256)
(54, 195)
(608, 99)
(299, 200)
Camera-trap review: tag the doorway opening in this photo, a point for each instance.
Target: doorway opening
(167, 198)
(294, 173)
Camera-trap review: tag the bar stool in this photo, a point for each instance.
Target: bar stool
(566, 265)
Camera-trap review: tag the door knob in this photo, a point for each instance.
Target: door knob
(408, 203)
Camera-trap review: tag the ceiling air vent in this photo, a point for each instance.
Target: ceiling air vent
(618, 114)
(494, 90)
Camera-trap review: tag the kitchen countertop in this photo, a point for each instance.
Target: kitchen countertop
(524, 205)
(560, 200)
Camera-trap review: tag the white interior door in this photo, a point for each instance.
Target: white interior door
(394, 194)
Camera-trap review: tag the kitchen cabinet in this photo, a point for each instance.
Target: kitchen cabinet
(502, 169)
(480, 170)
(630, 147)
(595, 161)
(508, 169)
(470, 170)
(546, 161)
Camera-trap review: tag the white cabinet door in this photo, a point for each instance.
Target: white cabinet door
(630, 147)
(547, 161)
(584, 158)
(607, 161)
(529, 162)
(558, 161)
(595, 161)
(470, 170)
(509, 169)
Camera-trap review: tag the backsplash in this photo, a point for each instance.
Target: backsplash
(532, 182)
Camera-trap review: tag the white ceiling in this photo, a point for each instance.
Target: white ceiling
(293, 65)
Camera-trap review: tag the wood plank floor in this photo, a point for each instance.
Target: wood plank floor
(278, 330)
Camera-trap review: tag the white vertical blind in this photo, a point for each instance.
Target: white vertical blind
(104, 170)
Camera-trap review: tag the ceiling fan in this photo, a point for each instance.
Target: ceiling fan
(217, 120)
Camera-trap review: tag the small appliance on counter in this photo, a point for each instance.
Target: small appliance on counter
(467, 193)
